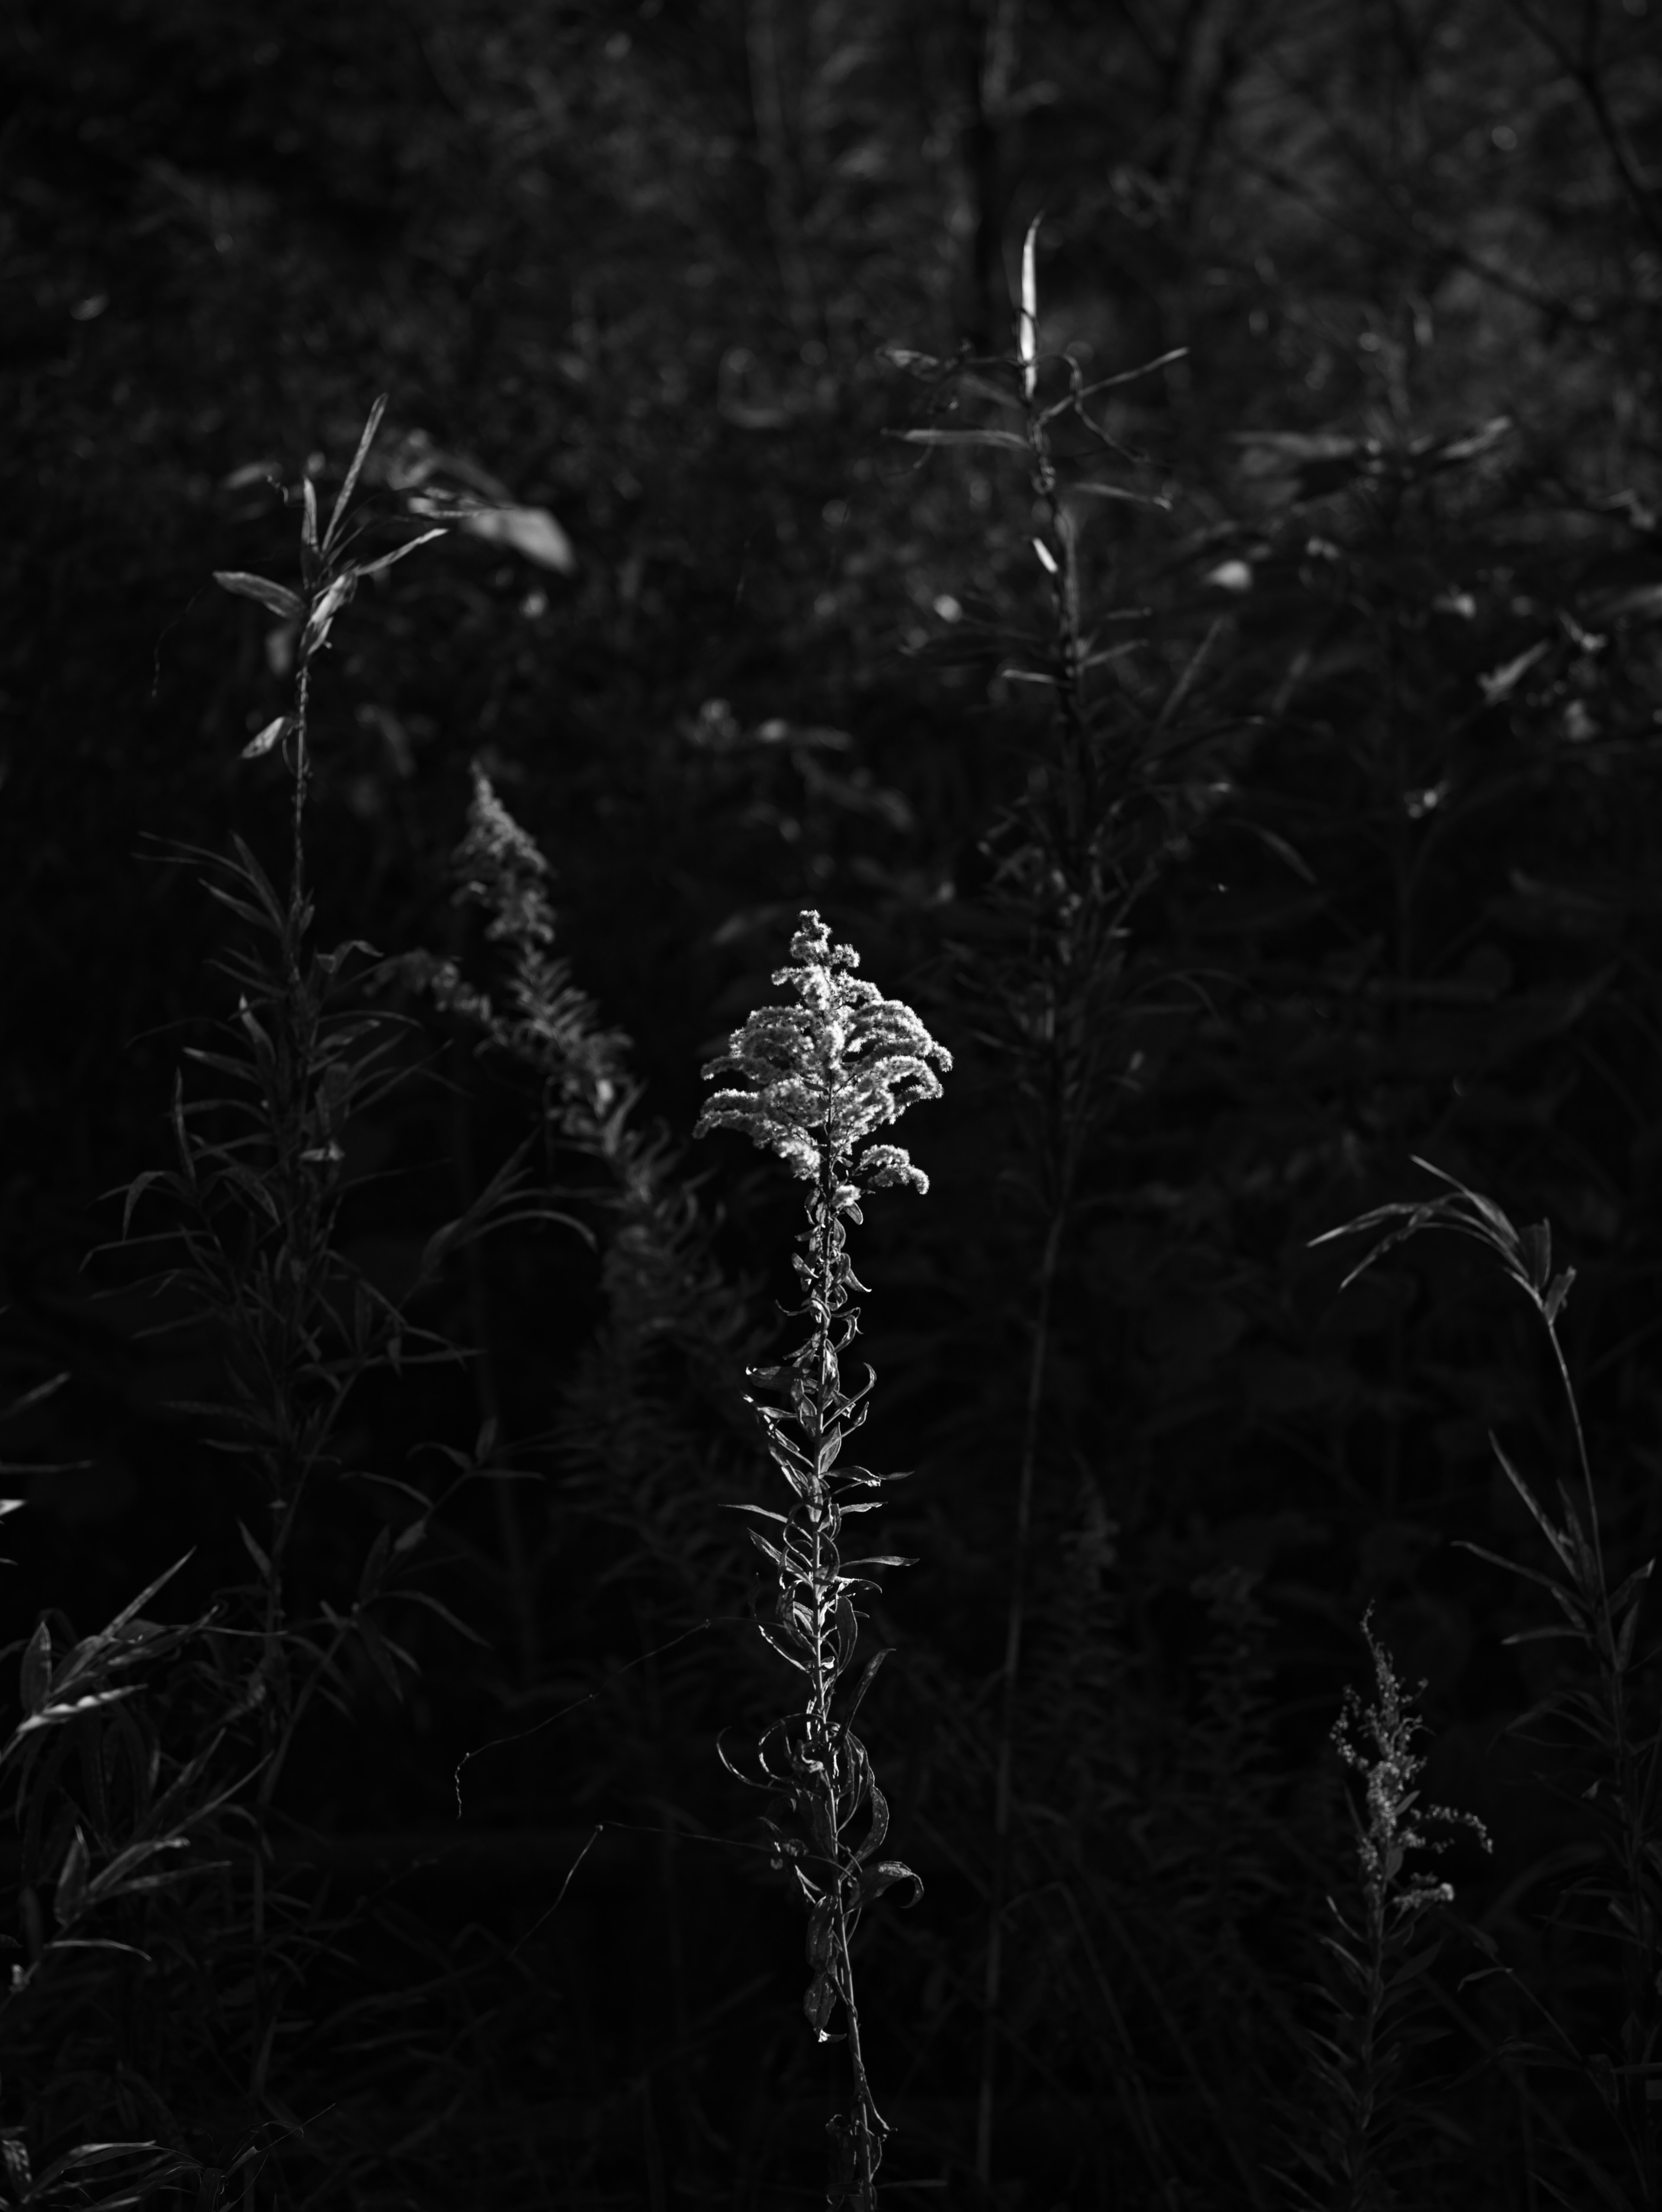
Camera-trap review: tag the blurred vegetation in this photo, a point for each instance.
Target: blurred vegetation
(654, 288)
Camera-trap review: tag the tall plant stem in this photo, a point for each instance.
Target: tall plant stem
(1010, 1701)
(1077, 795)
(302, 781)
(1634, 1798)
(487, 1392)
(828, 1377)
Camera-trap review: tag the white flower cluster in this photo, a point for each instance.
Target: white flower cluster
(825, 1074)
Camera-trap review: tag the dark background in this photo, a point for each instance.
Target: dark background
(638, 264)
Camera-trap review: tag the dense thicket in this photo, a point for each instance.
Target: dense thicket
(1341, 850)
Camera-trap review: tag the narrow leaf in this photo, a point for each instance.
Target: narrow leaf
(1007, 439)
(530, 532)
(339, 513)
(1117, 491)
(875, 1880)
(1027, 325)
(69, 1899)
(273, 734)
(437, 1605)
(37, 1669)
(869, 1675)
(1130, 376)
(386, 560)
(276, 598)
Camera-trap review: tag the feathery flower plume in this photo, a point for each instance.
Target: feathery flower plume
(1367, 2133)
(827, 1072)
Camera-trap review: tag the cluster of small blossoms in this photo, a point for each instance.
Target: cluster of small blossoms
(827, 1072)
(554, 1027)
(501, 867)
(1390, 1773)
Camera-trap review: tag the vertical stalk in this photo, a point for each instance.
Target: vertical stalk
(773, 143)
(487, 1394)
(1058, 1142)
(828, 1747)
(1640, 1960)
(303, 780)
(1010, 1703)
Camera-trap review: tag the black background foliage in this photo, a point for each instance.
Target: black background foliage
(1395, 662)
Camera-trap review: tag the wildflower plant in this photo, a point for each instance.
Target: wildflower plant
(819, 1079)
(662, 1284)
(1074, 860)
(1364, 2128)
(1607, 1716)
(251, 1257)
(549, 1025)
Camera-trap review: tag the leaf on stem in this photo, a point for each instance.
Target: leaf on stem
(1118, 491)
(875, 1880)
(1126, 376)
(276, 598)
(530, 532)
(338, 514)
(36, 1672)
(1028, 324)
(321, 618)
(254, 1551)
(386, 560)
(70, 1898)
(273, 734)
(1007, 439)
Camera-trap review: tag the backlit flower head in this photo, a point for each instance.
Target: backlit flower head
(826, 1072)
(1390, 1770)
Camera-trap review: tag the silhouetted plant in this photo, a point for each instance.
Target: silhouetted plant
(251, 1260)
(1606, 1716)
(1057, 981)
(1361, 2133)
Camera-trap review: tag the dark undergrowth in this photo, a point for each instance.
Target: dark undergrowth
(1189, 719)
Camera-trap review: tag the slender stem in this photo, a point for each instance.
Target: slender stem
(1015, 1624)
(774, 140)
(1634, 1803)
(302, 776)
(486, 1390)
(1585, 1463)
(866, 2111)
(1063, 1136)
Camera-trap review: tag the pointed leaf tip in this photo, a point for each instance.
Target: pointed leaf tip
(1028, 327)
(273, 734)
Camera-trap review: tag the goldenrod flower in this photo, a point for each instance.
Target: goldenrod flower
(827, 1072)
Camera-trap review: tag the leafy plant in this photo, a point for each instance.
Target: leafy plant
(819, 1078)
(1058, 979)
(251, 1265)
(1605, 1717)
(1360, 2135)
